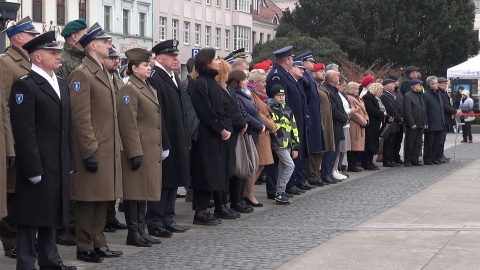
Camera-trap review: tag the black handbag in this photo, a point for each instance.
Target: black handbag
(385, 132)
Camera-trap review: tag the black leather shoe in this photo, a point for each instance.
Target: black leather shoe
(417, 164)
(436, 162)
(11, 252)
(316, 183)
(160, 232)
(300, 190)
(223, 213)
(58, 266)
(109, 228)
(241, 208)
(399, 161)
(107, 253)
(396, 163)
(388, 164)
(232, 211)
(354, 169)
(305, 186)
(407, 164)
(329, 180)
(427, 163)
(205, 220)
(89, 256)
(293, 191)
(117, 225)
(249, 202)
(65, 238)
(174, 227)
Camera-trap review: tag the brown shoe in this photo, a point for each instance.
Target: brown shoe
(380, 157)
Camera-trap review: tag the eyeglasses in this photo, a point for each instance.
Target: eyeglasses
(115, 59)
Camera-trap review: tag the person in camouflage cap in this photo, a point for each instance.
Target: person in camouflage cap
(72, 53)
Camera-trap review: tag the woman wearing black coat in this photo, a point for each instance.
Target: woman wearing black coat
(209, 151)
(376, 113)
(238, 81)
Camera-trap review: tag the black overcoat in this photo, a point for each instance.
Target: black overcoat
(393, 109)
(448, 109)
(209, 151)
(340, 117)
(434, 113)
(238, 123)
(376, 117)
(414, 109)
(44, 141)
(175, 168)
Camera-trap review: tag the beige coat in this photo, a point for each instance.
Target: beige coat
(327, 120)
(94, 115)
(13, 65)
(358, 121)
(139, 121)
(264, 146)
(3, 142)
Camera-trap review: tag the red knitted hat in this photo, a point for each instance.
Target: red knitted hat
(367, 80)
(318, 66)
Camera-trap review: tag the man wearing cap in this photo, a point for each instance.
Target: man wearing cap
(435, 121)
(299, 176)
(315, 133)
(94, 115)
(112, 63)
(415, 112)
(13, 64)
(280, 75)
(73, 52)
(175, 140)
(393, 108)
(237, 54)
(399, 135)
(449, 113)
(411, 72)
(45, 154)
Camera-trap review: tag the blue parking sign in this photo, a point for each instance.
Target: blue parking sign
(194, 52)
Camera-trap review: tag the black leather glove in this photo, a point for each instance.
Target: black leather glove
(91, 163)
(136, 161)
(10, 162)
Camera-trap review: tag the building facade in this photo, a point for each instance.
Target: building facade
(266, 17)
(129, 22)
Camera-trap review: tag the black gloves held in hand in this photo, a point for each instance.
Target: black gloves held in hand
(91, 163)
(136, 161)
(10, 162)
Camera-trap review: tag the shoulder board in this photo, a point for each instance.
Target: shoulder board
(275, 71)
(81, 65)
(24, 77)
(153, 72)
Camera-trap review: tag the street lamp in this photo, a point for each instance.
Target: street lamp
(8, 12)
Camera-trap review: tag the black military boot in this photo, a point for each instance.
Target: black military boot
(131, 217)
(142, 210)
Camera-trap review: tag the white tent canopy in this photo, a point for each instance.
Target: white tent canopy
(469, 69)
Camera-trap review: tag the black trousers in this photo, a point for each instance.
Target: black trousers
(111, 213)
(388, 148)
(367, 158)
(413, 144)
(467, 131)
(161, 213)
(47, 248)
(430, 146)
(272, 175)
(200, 200)
(398, 143)
(353, 157)
(236, 189)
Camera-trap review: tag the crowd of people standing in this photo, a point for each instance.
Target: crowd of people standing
(77, 142)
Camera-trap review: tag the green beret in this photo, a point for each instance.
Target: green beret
(73, 27)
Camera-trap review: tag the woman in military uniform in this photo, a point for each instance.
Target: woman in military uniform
(139, 120)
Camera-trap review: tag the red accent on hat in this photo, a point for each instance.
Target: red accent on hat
(367, 80)
(318, 66)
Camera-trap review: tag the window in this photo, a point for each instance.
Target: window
(218, 32)
(175, 29)
(242, 5)
(198, 29)
(254, 38)
(207, 36)
(275, 20)
(241, 38)
(269, 37)
(143, 23)
(107, 10)
(207, 2)
(125, 22)
(186, 32)
(162, 28)
(227, 39)
(227, 4)
(60, 12)
(37, 8)
(82, 9)
(261, 38)
(218, 3)
(476, 3)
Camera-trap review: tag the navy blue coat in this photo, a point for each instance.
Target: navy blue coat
(434, 110)
(315, 133)
(340, 117)
(294, 98)
(250, 113)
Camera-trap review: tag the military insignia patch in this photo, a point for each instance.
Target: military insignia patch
(126, 99)
(76, 86)
(275, 78)
(19, 98)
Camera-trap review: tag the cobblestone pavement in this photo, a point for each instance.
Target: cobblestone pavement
(269, 238)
